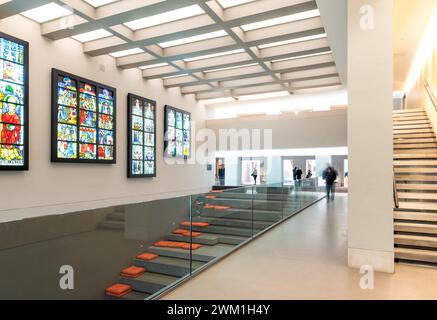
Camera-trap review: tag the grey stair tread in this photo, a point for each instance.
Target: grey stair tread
(205, 253)
(259, 215)
(223, 230)
(114, 225)
(233, 222)
(416, 255)
(238, 239)
(133, 295)
(169, 265)
(415, 216)
(116, 216)
(414, 240)
(149, 282)
(202, 239)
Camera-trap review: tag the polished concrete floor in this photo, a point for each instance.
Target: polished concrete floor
(304, 258)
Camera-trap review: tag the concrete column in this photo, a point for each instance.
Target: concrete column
(370, 135)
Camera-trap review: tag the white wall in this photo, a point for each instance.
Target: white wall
(305, 130)
(53, 188)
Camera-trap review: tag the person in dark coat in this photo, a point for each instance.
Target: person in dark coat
(299, 176)
(330, 175)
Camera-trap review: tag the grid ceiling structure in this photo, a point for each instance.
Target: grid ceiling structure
(210, 48)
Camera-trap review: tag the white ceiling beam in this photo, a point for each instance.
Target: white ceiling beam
(308, 73)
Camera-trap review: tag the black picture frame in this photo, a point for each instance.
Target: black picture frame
(130, 103)
(168, 109)
(54, 121)
(25, 44)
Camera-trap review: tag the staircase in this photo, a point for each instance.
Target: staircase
(415, 168)
(241, 215)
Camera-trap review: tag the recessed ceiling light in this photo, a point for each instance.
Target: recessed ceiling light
(99, 3)
(232, 3)
(280, 20)
(264, 95)
(47, 12)
(230, 68)
(93, 35)
(281, 43)
(200, 37)
(214, 55)
(304, 56)
(151, 66)
(126, 52)
(165, 17)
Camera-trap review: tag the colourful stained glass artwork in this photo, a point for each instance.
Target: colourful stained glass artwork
(137, 167)
(179, 150)
(87, 135)
(179, 136)
(171, 148)
(67, 83)
(179, 120)
(87, 151)
(87, 118)
(11, 155)
(171, 119)
(149, 167)
(149, 125)
(11, 51)
(87, 89)
(187, 122)
(137, 137)
(10, 71)
(137, 108)
(10, 92)
(106, 152)
(137, 123)
(11, 134)
(106, 122)
(149, 139)
(13, 104)
(67, 132)
(11, 112)
(149, 154)
(67, 97)
(106, 107)
(106, 137)
(186, 135)
(171, 134)
(149, 111)
(67, 150)
(186, 149)
(67, 115)
(87, 102)
(137, 152)
(105, 94)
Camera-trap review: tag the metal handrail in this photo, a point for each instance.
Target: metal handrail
(395, 192)
(430, 94)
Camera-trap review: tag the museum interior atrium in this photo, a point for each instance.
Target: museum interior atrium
(175, 149)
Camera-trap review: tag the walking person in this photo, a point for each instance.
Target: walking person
(254, 174)
(330, 175)
(299, 174)
(309, 174)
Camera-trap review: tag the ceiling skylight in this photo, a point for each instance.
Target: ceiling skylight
(281, 43)
(230, 68)
(280, 20)
(264, 95)
(93, 35)
(165, 17)
(47, 12)
(99, 3)
(214, 55)
(304, 56)
(232, 3)
(126, 52)
(200, 37)
(151, 66)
